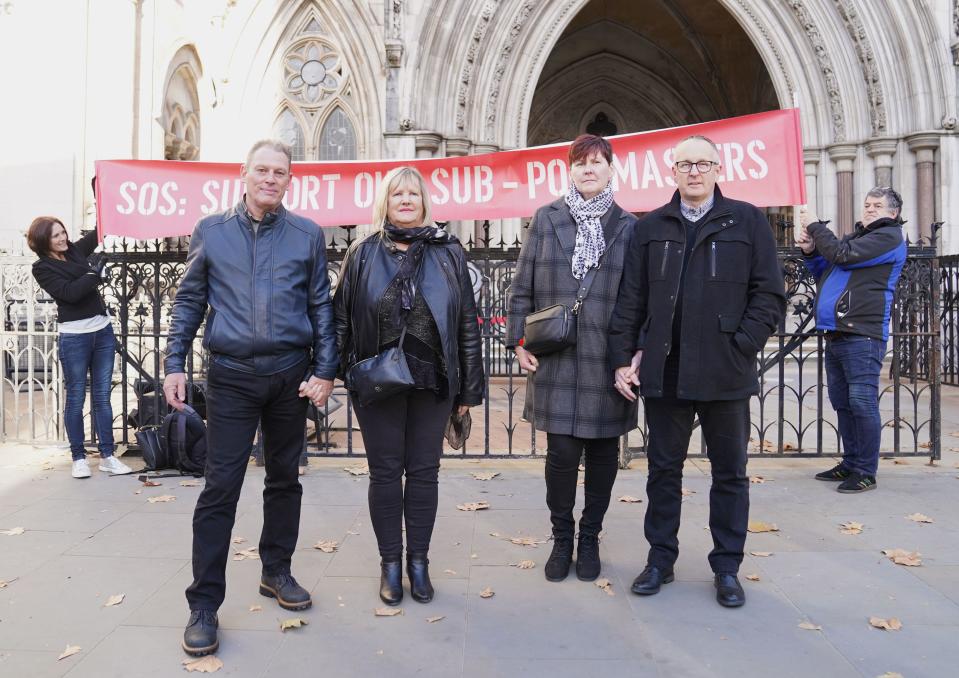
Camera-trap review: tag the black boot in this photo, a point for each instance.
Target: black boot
(557, 566)
(391, 580)
(288, 593)
(588, 565)
(417, 569)
(199, 637)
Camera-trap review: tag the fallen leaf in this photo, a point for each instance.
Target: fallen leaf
(761, 554)
(764, 445)
(13, 531)
(294, 623)
(891, 674)
(207, 664)
(527, 541)
(327, 546)
(353, 532)
(891, 624)
(238, 540)
(903, 557)
(926, 445)
(759, 526)
(256, 608)
(526, 565)
(114, 600)
(190, 483)
(151, 483)
(433, 620)
(5, 584)
(138, 492)
(629, 499)
(47, 466)
(752, 577)
(919, 518)
(484, 475)
(388, 611)
(449, 571)
(789, 447)
(606, 585)
(487, 593)
(247, 554)
(850, 527)
(809, 626)
(688, 492)
(581, 467)
(901, 462)
(69, 652)
(581, 482)
(161, 498)
(361, 470)
(758, 480)
(473, 506)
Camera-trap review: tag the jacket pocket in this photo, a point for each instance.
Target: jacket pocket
(660, 253)
(729, 322)
(728, 260)
(209, 332)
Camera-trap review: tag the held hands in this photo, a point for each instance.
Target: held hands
(174, 390)
(462, 409)
(317, 390)
(527, 360)
(626, 378)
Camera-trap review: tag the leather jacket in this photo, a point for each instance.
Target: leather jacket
(444, 280)
(268, 293)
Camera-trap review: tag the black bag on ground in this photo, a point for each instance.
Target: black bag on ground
(155, 455)
(183, 436)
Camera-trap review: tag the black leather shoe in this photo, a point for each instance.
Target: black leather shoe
(418, 570)
(391, 580)
(729, 592)
(588, 564)
(650, 580)
(561, 557)
(199, 638)
(283, 587)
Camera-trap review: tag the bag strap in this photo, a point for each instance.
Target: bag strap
(584, 288)
(402, 337)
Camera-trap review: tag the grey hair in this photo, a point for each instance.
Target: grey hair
(893, 199)
(274, 144)
(698, 137)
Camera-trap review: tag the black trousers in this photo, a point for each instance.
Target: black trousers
(563, 453)
(236, 402)
(404, 435)
(725, 425)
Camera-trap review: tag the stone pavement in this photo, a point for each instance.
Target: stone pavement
(87, 540)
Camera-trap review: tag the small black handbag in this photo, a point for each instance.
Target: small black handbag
(553, 328)
(381, 376)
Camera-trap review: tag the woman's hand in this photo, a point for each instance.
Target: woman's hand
(627, 377)
(527, 360)
(462, 410)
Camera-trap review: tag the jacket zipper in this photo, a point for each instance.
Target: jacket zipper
(665, 265)
(253, 294)
(712, 260)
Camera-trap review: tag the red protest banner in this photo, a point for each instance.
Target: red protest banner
(761, 156)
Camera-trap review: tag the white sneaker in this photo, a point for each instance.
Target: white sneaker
(81, 469)
(114, 466)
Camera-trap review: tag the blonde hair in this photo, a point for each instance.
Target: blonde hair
(395, 177)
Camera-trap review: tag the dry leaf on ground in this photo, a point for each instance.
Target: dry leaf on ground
(850, 527)
(760, 526)
(919, 518)
(293, 623)
(190, 483)
(487, 593)
(891, 674)
(688, 492)
(256, 608)
(433, 620)
(761, 554)
(69, 652)
(13, 531)
(809, 626)
(473, 506)
(327, 546)
(629, 499)
(161, 498)
(903, 557)
(388, 611)
(891, 624)
(752, 577)
(900, 462)
(115, 600)
(5, 584)
(449, 571)
(361, 470)
(238, 540)
(525, 564)
(758, 480)
(47, 466)
(484, 475)
(151, 483)
(527, 541)
(764, 445)
(247, 554)
(208, 664)
(605, 585)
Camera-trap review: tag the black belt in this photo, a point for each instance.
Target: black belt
(834, 335)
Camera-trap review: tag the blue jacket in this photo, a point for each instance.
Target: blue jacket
(268, 294)
(857, 276)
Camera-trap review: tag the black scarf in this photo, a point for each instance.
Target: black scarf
(417, 239)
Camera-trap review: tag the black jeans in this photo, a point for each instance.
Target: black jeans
(404, 434)
(563, 453)
(236, 402)
(725, 425)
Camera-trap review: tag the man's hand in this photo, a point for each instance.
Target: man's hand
(806, 242)
(625, 378)
(174, 390)
(463, 409)
(526, 359)
(317, 390)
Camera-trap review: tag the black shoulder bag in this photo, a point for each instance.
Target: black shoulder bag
(553, 328)
(381, 376)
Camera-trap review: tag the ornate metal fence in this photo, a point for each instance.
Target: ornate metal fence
(949, 318)
(790, 417)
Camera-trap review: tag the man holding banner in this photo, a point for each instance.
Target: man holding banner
(701, 292)
(262, 272)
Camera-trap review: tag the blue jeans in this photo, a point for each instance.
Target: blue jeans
(90, 352)
(853, 364)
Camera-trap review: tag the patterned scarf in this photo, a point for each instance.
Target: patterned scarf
(590, 242)
(417, 239)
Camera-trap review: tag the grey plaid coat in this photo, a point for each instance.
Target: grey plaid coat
(572, 391)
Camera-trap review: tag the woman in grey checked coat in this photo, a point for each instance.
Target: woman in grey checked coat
(570, 393)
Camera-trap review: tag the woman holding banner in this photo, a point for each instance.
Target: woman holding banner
(86, 342)
(410, 356)
(570, 266)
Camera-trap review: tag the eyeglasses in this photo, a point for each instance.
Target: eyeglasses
(703, 166)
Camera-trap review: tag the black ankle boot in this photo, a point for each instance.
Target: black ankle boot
(417, 569)
(588, 564)
(391, 580)
(557, 566)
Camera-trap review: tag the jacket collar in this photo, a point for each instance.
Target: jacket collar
(269, 219)
(885, 222)
(565, 227)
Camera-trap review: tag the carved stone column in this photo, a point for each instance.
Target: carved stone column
(882, 151)
(924, 145)
(844, 157)
(427, 144)
(479, 234)
(458, 147)
(810, 158)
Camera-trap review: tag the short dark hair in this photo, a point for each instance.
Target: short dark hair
(586, 144)
(893, 199)
(39, 233)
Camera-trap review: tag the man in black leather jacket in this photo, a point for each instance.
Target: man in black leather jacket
(262, 272)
